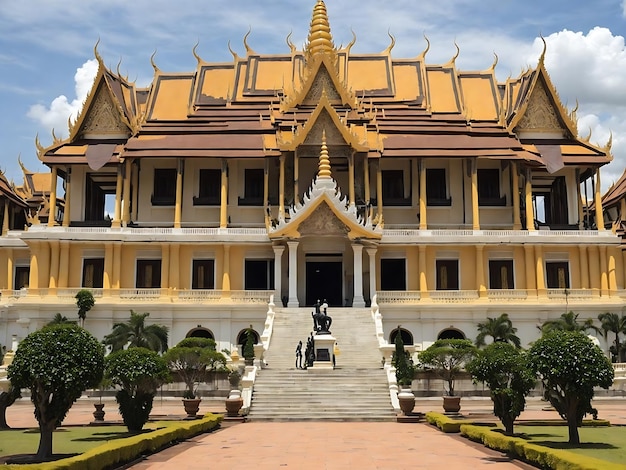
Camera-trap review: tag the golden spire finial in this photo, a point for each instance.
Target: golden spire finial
(324, 165)
(320, 39)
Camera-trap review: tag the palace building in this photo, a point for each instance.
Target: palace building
(440, 196)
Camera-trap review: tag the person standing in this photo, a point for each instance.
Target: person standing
(299, 355)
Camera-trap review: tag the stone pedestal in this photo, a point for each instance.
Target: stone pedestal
(323, 347)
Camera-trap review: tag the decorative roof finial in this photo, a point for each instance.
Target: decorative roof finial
(324, 165)
(320, 39)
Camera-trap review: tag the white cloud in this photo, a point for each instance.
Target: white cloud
(56, 115)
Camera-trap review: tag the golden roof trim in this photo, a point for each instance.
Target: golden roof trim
(302, 132)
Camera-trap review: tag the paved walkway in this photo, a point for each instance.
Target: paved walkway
(321, 445)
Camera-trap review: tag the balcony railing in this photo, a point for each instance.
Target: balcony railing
(453, 295)
(140, 294)
(493, 295)
(398, 297)
(507, 294)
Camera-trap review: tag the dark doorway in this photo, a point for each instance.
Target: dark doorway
(324, 281)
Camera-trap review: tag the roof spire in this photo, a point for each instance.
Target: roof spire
(320, 39)
(324, 165)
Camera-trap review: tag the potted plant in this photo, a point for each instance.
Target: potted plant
(405, 372)
(191, 359)
(248, 346)
(234, 402)
(98, 415)
(447, 357)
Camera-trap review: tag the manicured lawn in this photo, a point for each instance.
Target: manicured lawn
(605, 443)
(69, 440)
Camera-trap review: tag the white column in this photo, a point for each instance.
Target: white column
(278, 272)
(293, 275)
(358, 300)
(372, 255)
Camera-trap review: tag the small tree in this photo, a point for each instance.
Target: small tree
(57, 363)
(568, 322)
(447, 357)
(570, 366)
(84, 302)
(139, 372)
(7, 399)
(60, 320)
(192, 358)
(405, 370)
(248, 346)
(504, 369)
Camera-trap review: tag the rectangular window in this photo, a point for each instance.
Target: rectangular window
(148, 274)
(209, 188)
(203, 274)
(436, 188)
(253, 187)
(557, 274)
(164, 192)
(93, 272)
(22, 277)
(489, 187)
(393, 188)
(501, 274)
(259, 274)
(447, 274)
(393, 274)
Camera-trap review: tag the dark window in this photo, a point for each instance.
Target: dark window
(148, 273)
(210, 184)
(447, 274)
(259, 274)
(393, 274)
(393, 188)
(489, 188)
(22, 277)
(501, 274)
(203, 274)
(164, 193)
(93, 272)
(253, 187)
(557, 274)
(436, 192)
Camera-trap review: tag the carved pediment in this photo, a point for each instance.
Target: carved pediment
(323, 222)
(103, 117)
(324, 123)
(322, 83)
(541, 114)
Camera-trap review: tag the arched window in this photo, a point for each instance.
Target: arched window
(407, 337)
(241, 339)
(200, 333)
(451, 333)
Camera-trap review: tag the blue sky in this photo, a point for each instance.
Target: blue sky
(47, 66)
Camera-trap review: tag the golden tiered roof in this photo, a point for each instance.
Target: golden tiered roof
(260, 105)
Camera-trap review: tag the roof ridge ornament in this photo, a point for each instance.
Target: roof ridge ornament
(324, 164)
(320, 40)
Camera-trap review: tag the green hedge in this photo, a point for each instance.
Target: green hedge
(447, 424)
(128, 449)
(543, 457)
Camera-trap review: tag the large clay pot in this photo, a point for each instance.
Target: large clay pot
(234, 402)
(407, 401)
(451, 404)
(98, 415)
(192, 405)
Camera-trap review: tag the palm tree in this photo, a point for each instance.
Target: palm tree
(59, 320)
(568, 322)
(500, 329)
(135, 333)
(613, 323)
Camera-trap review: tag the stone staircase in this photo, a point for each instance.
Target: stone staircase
(356, 390)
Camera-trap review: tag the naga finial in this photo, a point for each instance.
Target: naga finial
(249, 50)
(154, 66)
(195, 54)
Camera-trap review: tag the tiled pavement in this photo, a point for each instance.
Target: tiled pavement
(321, 445)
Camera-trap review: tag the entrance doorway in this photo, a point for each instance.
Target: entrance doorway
(324, 280)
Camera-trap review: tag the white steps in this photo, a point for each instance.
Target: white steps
(356, 390)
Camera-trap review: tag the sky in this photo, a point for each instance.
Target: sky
(47, 59)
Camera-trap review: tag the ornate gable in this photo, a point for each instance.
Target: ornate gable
(103, 118)
(541, 115)
(322, 83)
